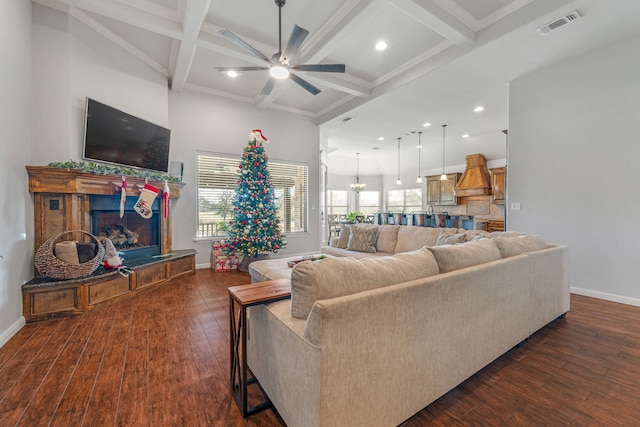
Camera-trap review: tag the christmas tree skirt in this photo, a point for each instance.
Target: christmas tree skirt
(246, 260)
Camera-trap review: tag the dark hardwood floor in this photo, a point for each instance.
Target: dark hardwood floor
(161, 358)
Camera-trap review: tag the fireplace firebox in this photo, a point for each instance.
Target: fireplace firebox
(132, 234)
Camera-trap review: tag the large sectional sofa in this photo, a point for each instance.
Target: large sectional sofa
(372, 341)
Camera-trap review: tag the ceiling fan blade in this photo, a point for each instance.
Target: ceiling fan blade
(326, 68)
(305, 84)
(225, 69)
(246, 46)
(293, 45)
(266, 90)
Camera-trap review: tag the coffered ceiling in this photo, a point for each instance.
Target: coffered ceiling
(444, 57)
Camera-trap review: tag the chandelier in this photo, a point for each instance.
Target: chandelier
(357, 187)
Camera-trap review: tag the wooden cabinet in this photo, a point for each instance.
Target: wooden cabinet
(442, 192)
(498, 183)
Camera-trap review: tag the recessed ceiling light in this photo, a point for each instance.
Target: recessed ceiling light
(427, 124)
(381, 45)
(478, 108)
(232, 73)
(377, 148)
(466, 135)
(381, 138)
(345, 119)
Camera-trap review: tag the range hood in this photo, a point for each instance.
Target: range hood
(475, 180)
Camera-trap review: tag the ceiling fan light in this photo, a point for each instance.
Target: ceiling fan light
(232, 73)
(279, 72)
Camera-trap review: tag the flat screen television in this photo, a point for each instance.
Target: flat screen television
(113, 136)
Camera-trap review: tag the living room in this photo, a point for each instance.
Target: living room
(571, 130)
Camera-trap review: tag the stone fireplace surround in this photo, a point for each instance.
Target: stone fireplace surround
(62, 202)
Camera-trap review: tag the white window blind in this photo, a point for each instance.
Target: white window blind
(217, 179)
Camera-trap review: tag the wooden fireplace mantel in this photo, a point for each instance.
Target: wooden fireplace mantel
(44, 179)
(62, 203)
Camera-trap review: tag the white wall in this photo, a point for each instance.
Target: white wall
(71, 62)
(211, 124)
(573, 165)
(16, 211)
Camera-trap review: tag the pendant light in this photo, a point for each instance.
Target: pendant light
(443, 177)
(357, 187)
(419, 179)
(399, 182)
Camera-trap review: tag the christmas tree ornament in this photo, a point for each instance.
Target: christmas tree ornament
(147, 195)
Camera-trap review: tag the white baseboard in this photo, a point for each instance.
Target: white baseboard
(11, 331)
(606, 296)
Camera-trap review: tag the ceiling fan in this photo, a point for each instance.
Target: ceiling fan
(280, 65)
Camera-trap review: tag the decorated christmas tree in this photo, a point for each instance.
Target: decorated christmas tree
(254, 229)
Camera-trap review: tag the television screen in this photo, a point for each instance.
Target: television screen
(114, 136)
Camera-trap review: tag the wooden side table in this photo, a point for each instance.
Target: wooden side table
(245, 296)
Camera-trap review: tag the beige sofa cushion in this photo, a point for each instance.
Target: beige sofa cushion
(362, 239)
(512, 246)
(411, 238)
(334, 277)
(387, 238)
(455, 257)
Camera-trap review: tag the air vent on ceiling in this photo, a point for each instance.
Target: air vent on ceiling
(560, 22)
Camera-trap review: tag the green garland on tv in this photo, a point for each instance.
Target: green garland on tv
(107, 169)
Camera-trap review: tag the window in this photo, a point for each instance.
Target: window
(337, 202)
(369, 202)
(404, 200)
(217, 179)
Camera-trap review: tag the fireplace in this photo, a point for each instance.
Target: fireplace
(132, 234)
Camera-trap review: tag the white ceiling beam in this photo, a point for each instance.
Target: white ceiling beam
(119, 41)
(123, 13)
(194, 15)
(351, 15)
(433, 16)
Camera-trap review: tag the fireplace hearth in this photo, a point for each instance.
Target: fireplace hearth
(66, 200)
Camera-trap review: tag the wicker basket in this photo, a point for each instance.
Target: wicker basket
(51, 266)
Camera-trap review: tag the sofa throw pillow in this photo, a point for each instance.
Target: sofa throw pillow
(387, 238)
(339, 276)
(512, 246)
(343, 239)
(362, 239)
(455, 257)
(450, 239)
(411, 238)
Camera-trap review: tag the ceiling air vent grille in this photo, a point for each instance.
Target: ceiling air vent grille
(560, 22)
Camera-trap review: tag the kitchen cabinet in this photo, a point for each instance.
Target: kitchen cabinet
(442, 192)
(498, 183)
